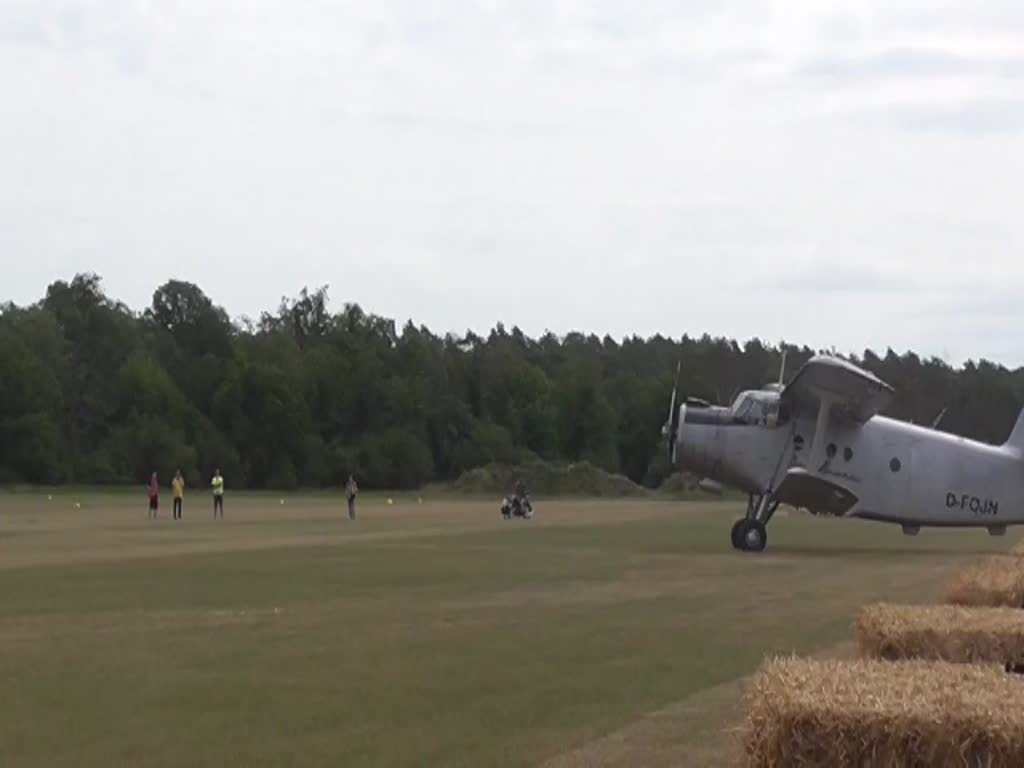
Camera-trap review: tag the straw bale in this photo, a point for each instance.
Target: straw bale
(994, 581)
(942, 633)
(861, 712)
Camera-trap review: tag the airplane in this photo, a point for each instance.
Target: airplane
(820, 443)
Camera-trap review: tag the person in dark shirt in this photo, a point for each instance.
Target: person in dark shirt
(351, 491)
(154, 496)
(519, 489)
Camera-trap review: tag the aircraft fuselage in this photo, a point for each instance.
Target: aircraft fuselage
(890, 470)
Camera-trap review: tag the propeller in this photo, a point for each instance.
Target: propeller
(780, 384)
(938, 419)
(672, 426)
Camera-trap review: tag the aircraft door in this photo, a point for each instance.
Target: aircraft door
(894, 473)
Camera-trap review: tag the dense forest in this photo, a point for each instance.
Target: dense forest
(92, 392)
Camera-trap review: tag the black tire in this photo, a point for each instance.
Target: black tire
(737, 532)
(755, 537)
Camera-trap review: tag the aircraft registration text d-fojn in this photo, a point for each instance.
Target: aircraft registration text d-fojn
(977, 507)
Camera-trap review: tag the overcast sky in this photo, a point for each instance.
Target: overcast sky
(845, 174)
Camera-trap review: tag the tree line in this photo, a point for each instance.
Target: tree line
(93, 392)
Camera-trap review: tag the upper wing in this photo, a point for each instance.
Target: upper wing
(854, 392)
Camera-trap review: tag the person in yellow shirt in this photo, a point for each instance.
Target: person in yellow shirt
(178, 484)
(218, 494)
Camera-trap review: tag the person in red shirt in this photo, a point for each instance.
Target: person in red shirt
(154, 496)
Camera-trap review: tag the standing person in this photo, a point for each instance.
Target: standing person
(178, 484)
(154, 496)
(218, 494)
(351, 491)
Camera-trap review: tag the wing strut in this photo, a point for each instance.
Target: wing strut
(820, 427)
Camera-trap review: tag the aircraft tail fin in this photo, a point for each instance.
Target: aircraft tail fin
(1016, 438)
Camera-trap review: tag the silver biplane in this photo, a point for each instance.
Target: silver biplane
(819, 443)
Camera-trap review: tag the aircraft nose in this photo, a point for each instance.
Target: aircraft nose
(698, 429)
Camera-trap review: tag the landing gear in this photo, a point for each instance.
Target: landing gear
(753, 536)
(750, 534)
(737, 532)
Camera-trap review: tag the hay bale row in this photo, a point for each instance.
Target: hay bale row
(994, 581)
(803, 712)
(930, 688)
(950, 633)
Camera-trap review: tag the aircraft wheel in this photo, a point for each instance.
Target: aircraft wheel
(755, 537)
(737, 533)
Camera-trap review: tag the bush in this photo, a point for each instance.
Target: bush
(282, 475)
(148, 444)
(316, 469)
(35, 449)
(214, 451)
(397, 459)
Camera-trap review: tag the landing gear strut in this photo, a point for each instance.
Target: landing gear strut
(750, 534)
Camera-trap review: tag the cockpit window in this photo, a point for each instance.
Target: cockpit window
(741, 408)
(749, 411)
(758, 409)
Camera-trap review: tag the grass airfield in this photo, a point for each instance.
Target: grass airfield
(599, 633)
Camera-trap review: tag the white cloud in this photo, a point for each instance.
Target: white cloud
(606, 166)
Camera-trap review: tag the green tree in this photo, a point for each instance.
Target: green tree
(92, 392)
